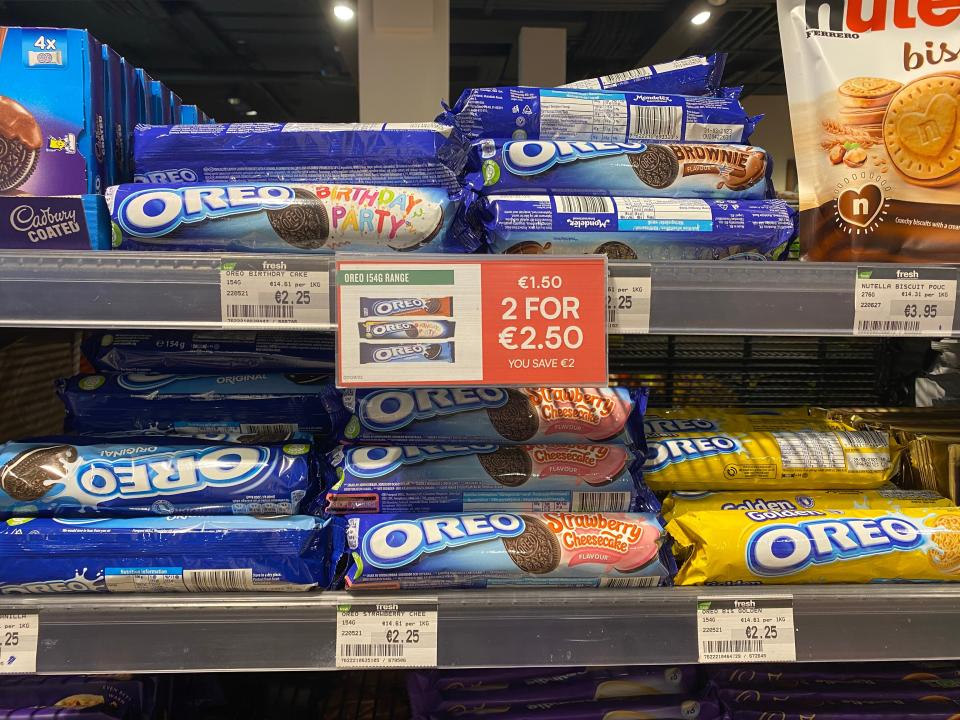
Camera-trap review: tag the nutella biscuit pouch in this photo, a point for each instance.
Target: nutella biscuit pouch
(874, 90)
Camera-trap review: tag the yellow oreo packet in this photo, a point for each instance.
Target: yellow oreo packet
(887, 497)
(658, 422)
(817, 546)
(835, 460)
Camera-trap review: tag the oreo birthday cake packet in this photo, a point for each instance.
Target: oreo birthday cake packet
(467, 478)
(504, 416)
(164, 554)
(635, 169)
(305, 217)
(408, 154)
(71, 477)
(693, 75)
(501, 549)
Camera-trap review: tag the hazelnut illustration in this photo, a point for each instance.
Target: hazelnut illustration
(836, 154)
(855, 157)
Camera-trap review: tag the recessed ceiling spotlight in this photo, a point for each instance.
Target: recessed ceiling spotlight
(251, 113)
(343, 12)
(701, 17)
(233, 100)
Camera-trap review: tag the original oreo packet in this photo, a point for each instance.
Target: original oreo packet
(693, 75)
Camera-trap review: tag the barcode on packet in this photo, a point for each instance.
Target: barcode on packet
(863, 439)
(584, 204)
(624, 76)
(621, 583)
(888, 326)
(601, 502)
(279, 429)
(259, 312)
(655, 123)
(377, 650)
(713, 647)
(240, 579)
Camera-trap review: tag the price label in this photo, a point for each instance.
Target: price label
(19, 634)
(258, 293)
(904, 300)
(628, 299)
(743, 629)
(384, 635)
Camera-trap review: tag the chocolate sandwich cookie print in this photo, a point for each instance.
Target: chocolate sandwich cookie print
(407, 329)
(406, 352)
(20, 144)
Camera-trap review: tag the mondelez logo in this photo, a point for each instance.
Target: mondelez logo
(850, 18)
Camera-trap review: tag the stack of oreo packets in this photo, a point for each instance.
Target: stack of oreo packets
(649, 164)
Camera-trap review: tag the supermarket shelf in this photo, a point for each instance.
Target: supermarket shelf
(477, 628)
(182, 291)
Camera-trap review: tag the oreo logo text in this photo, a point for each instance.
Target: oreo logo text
(78, 583)
(677, 450)
(662, 426)
(392, 307)
(374, 461)
(531, 157)
(392, 409)
(178, 175)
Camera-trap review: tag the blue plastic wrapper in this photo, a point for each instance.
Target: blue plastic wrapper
(209, 351)
(468, 478)
(71, 477)
(631, 228)
(499, 416)
(168, 554)
(312, 218)
(637, 169)
(253, 403)
(522, 113)
(406, 329)
(694, 75)
(377, 353)
(413, 155)
(502, 549)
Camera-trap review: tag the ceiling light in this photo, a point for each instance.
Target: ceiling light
(701, 17)
(343, 12)
(251, 113)
(233, 101)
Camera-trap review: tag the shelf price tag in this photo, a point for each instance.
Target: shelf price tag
(628, 299)
(904, 300)
(19, 635)
(479, 321)
(744, 629)
(385, 635)
(265, 293)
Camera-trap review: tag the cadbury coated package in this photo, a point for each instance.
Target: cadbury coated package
(631, 228)
(67, 477)
(849, 698)
(931, 674)
(634, 169)
(522, 113)
(279, 217)
(80, 697)
(694, 75)
(248, 404)
(412, 154)
(501, 549)
(504, 416)
(164, 554)
(466, 478)
(209, 350)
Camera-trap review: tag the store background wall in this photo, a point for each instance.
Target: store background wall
(773, 133)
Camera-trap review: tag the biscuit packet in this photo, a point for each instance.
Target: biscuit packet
(874, 96)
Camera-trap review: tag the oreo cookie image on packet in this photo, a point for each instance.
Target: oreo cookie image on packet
(275, 217)
(251, 403)
(406, 352)
(164, 554)
(408, 154)
(68, 477)
(693, 75)
(635, 169)
(630, 228)
(500, 416)
(407, 329)
(406, 307)
(468, 478)
(527, 113)
(501, 549)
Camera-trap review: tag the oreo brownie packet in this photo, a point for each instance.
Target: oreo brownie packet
(818, 546)
(637, 169)
(406, 329)
(834, 698)
(209, 351)
(918, 711)
(932, 674)
(629, 228)
(523, 113)
(407, 154)
(648, 708)
(307, 217)
(500, 416)
(164, 554)
(467, 478)
(75, 476)
(244, 403)
(693, 75)
(500, 549)
(658, 679)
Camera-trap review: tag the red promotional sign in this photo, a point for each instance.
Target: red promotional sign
(472, 321)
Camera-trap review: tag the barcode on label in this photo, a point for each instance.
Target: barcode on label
(279, 429)
(601, 502)
(624, 76)
(257, 312)
(366, 650)
(888, 326)
(583, 204)
(240, 579)
(655, 123)
(863, 439)
(711, 647)
(612, 315)
(621, 583)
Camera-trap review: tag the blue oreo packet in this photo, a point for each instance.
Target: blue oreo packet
(250, 403)
(76, 476)
(522, 113)
(693, 75)
(164, 554)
